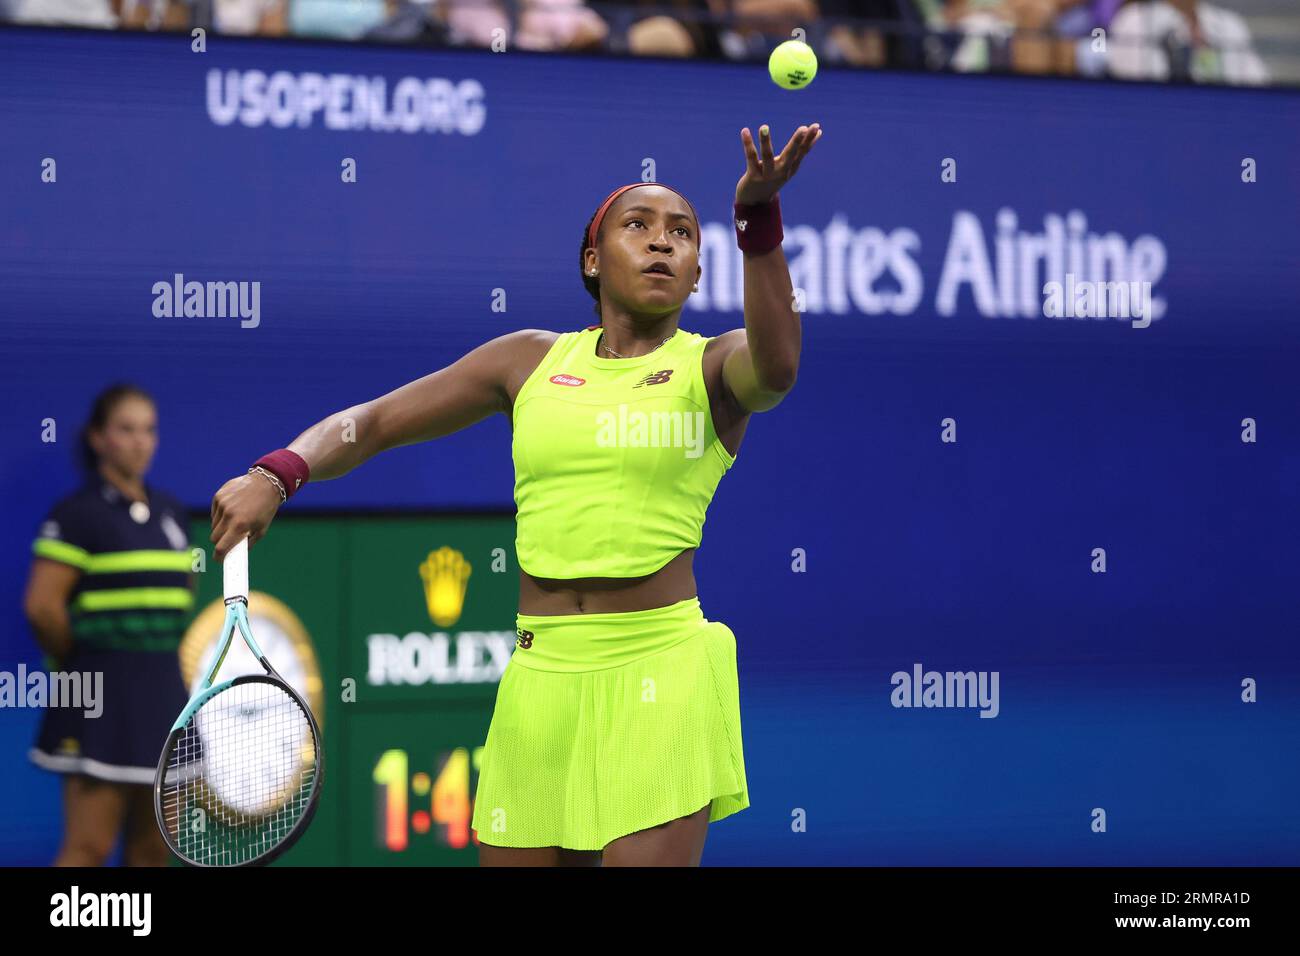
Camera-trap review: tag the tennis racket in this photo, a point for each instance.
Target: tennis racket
(240, 775)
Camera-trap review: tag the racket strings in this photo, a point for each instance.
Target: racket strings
(241, 775)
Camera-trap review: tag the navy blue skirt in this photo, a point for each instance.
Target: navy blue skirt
(141, 695)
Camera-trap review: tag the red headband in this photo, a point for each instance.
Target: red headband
(609, 201)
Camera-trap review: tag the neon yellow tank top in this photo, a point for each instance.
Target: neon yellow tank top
(616, 460)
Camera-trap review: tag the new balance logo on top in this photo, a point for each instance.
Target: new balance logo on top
(655, 378)
(741, 224)
(523, 638)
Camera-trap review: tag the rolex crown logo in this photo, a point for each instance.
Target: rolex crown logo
(445, 573)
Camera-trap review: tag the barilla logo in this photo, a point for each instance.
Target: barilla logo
(563, 379)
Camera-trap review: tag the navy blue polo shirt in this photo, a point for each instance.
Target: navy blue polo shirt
(135, 592)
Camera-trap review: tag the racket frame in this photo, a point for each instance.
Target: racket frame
(235, 572)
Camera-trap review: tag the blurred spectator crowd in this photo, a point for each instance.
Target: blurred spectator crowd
(1159, 40)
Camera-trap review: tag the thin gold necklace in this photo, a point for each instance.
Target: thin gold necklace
(617, 355)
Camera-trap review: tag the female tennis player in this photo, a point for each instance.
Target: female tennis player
(110, 593)
(616, 735)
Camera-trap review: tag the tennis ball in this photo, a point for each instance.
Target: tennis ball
(793, 65)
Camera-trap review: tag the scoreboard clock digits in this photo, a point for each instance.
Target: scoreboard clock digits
(406, 802)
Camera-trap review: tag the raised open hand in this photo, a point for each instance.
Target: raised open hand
(764, 176)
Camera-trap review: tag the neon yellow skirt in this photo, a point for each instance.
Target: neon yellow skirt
(606, 724)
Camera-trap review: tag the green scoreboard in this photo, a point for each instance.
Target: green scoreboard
(396, 628)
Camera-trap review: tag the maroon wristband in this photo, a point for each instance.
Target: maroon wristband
(758, 226)
(289, 467)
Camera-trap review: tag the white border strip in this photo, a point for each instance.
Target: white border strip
(92, 768)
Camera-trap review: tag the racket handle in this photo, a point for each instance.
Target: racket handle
(235, 571)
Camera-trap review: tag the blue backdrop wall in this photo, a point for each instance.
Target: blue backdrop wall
(475, 173)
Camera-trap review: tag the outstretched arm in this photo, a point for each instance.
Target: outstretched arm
(762, 360)
(467, 391)
(442, 402)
